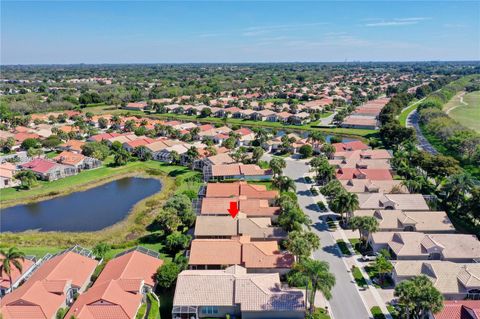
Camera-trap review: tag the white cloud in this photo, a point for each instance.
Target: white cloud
(395, 22)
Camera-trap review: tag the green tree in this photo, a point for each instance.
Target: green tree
(177, 241)
(277, 164)
(121, 157)
(383, 266)
(30, 143)
(328, 150)
(26, 178)
(302, 243)
(257, 154)
(365, 225)
(316, 276)
(9, 259)
(306, 151)
(323, 170)
(284, 183)
(96, 150)
(344, 203)
(167, 274)
(182, 205)
(418, 296)
(142, 153)
(7, 144)
(168, 221)
(51, 141)
(101, 249)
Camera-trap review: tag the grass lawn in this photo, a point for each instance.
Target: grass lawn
(467, 115)
(357, 275)
(377, 313)
(154, 312)
(321, 313)
(343, 247)
(402, 118)
(372, 273)
(356, 245)
(10, 196)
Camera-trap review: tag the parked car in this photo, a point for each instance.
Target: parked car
(371, 256)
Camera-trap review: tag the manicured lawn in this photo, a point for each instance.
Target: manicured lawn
(467, 115)
(141, 311)
(356, 245)
(73, 183)
(154, 312)
(321, 313)
(377, 313)
(343, 247)
(402, 118)
(372, 273)
(357, 275)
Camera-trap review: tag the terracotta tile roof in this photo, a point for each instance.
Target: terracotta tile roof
(133, 265)
(372, 186)
(39, 165)
(346, 173)
(239, 189)
(103, 136)
(413, 202)
(74, 145)
(45, 291)
(117, 291)
(251, 207)
(5, 280)
(365, 154)
(69, 158)
(239, 251)
(350, 146)
(459, 309)
(20, 137)
(233, 286)
(140, 142)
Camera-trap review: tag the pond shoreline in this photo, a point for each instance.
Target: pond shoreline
(132, 227)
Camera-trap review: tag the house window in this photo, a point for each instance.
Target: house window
(209, 310)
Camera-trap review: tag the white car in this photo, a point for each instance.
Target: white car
(369, 257)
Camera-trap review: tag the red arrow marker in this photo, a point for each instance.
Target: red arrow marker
(233, 210)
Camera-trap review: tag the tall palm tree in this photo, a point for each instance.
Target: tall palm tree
(317, 275)
(383, 266)
(284, 183)
(365, 225)
(456, 187)
(11, 258)
(344, 203)
(277, 164)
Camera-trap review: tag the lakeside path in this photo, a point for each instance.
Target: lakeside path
(346, 302)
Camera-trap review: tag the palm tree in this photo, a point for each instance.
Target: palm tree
(284, 183)
(317, 275)
(365, 226)
(344, 203)
(328, 150)
(277, 164)
(419, 297)
(456, 187)
(383, 266)
(11, 258)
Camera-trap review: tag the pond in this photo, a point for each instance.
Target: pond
(89, 210)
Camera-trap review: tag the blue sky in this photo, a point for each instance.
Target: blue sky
(228, 31)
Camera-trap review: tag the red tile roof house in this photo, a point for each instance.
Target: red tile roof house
(458, 309)
(250, 207)
(237, 171)
(119, 290)
(28, 266)
(256, 256)
(51, 287)
(361, 122)
(102, 136)
(72, 146)
(131, 145)
(234, 292)
(376, 174)
(49, 170)
(239, 189)
(76, 160)
(350, 146)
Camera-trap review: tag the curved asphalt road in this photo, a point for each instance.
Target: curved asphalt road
(346, 302)
(413, 121)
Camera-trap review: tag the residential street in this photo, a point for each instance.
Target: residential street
(346, 302)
